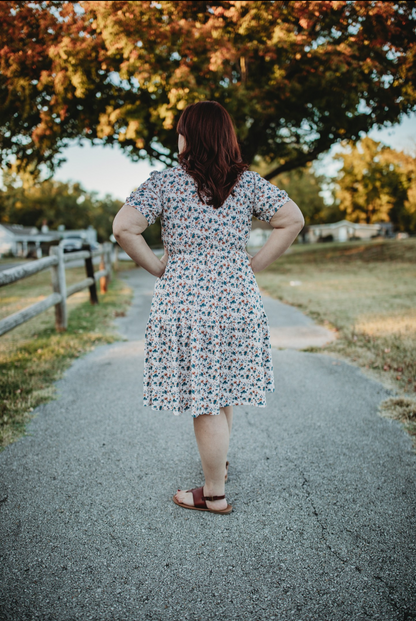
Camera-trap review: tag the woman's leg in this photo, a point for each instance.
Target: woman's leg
(212, 436)
(228, 410)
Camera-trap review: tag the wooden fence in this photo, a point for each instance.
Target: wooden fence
(58, 261)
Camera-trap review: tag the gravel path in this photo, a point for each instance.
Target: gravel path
(323, 490)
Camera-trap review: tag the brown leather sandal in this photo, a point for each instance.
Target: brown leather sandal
(199, 501)
(227, 463)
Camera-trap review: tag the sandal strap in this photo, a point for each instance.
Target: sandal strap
(198, 495)
(211, 498)
(199, 498)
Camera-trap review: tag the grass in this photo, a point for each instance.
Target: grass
(34, 355)
(365, 292)
(403, 410)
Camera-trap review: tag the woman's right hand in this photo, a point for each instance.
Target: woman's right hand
(164, 261)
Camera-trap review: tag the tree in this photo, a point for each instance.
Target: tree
(377, 184)
(297, 77)
(30, 202)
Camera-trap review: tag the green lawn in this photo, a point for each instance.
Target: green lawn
(364, 291)
(33, 355)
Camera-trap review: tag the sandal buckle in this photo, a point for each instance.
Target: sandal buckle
(212, 498)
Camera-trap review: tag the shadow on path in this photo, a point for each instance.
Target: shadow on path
(323, 490)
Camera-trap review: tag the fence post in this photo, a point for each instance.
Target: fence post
(116, 251)
(89, 269)
(59, 286)
(103, 266)
(109, 247)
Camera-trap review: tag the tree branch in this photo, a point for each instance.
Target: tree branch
(297, 162)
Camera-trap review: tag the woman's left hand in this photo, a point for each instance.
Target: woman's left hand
(164, 261)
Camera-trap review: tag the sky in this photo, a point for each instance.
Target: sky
(108, 170)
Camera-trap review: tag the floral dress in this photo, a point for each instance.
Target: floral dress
(207, 339)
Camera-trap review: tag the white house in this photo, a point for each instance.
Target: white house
(19, 240)
(343, 231)
(340, 231)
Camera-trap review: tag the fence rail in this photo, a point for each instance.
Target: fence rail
(58, 262)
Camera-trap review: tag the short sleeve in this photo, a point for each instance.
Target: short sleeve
(146, 198)
(267, 198)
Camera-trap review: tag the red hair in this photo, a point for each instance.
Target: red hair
(212, 155)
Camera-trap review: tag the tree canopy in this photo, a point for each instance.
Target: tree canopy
(377, 184)
(296, 76)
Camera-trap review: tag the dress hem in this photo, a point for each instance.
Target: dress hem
(179, 412)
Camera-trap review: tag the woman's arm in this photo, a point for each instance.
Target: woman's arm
(287, 223)
(128, 227)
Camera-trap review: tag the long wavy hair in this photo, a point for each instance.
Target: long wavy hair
(212, 155)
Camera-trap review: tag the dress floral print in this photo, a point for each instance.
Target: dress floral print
(207, 339)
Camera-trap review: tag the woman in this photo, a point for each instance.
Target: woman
(207, 341)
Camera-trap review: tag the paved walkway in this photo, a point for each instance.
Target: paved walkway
(323, 489)
(291, 329)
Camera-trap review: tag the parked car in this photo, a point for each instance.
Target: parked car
(71, 244)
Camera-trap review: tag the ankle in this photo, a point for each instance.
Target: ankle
(213, 490)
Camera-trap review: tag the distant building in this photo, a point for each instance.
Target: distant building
(337, 231)
(23, 241)
(342, 231)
